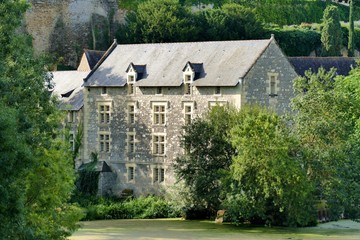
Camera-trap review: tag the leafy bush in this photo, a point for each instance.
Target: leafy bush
(297, 41)
(137, 208)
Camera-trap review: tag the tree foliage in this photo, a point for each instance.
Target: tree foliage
(331, 34)
(268, 183)
(39, 176)
(207, 157)
(173, 22)
(326, 124)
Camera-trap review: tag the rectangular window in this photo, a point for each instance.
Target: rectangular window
(162, 175)
(188, 114)
(104, 142)
(159, 144)
(217, 91)
(72, 141)
(272, 85)
(131, 143)
(131, 173)
(103, 90)
(131, 114)
(104, 113)
(158, 175)
(187, 89)
(159, 90)
(159, 114)
(71, 116)
(130, 89)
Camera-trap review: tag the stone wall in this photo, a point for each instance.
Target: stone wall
(65, 26)
(143, 160)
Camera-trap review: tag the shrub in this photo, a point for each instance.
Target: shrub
(137, 208)
(297, 41)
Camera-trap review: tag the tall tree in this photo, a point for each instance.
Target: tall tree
(39, 175)
(331, 34)
(326, 124)
(351, 30)
(157, 21)
(207, 157)
(267, 182)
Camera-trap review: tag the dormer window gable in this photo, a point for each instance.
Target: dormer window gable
(135, 72)
(192, 71)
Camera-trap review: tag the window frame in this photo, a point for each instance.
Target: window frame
(159, 113)
(104, 142)
(188, 115)
(104, 113)
(131, 113)
(158, 144)
(130, 82)
(158, 175)
(131, 142)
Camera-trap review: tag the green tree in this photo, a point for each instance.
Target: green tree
(157, 21)
(351, 30)
(207, 157)
(39, 167)
(267, 182)
(331, 34)
(326, 124)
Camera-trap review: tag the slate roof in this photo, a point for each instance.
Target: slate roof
(93, 57)
(68, 87)
(343, 65)
(223, 63)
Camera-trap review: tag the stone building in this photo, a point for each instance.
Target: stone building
(138, 98)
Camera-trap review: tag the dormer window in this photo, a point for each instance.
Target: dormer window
(191, 72)
(134, 73)
(130, 82)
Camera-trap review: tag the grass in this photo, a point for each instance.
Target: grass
(176, 229)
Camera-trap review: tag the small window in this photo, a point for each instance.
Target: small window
(217, 91)
(71, 116)
(272, 85)
(159, 144)
(187, 89)
(72, 141)
(187, 78)
(159, 90)
(104, 90)
(131, 114)
(131, 89)
(188, 114)
(158, 175)
(131, 79)
(130, 82)
(104, 142)
(131, 143)
(131, 173)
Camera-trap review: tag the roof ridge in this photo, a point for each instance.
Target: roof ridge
(222, 41)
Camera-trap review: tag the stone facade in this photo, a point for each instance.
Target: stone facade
(136, 129)
(64, 26)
